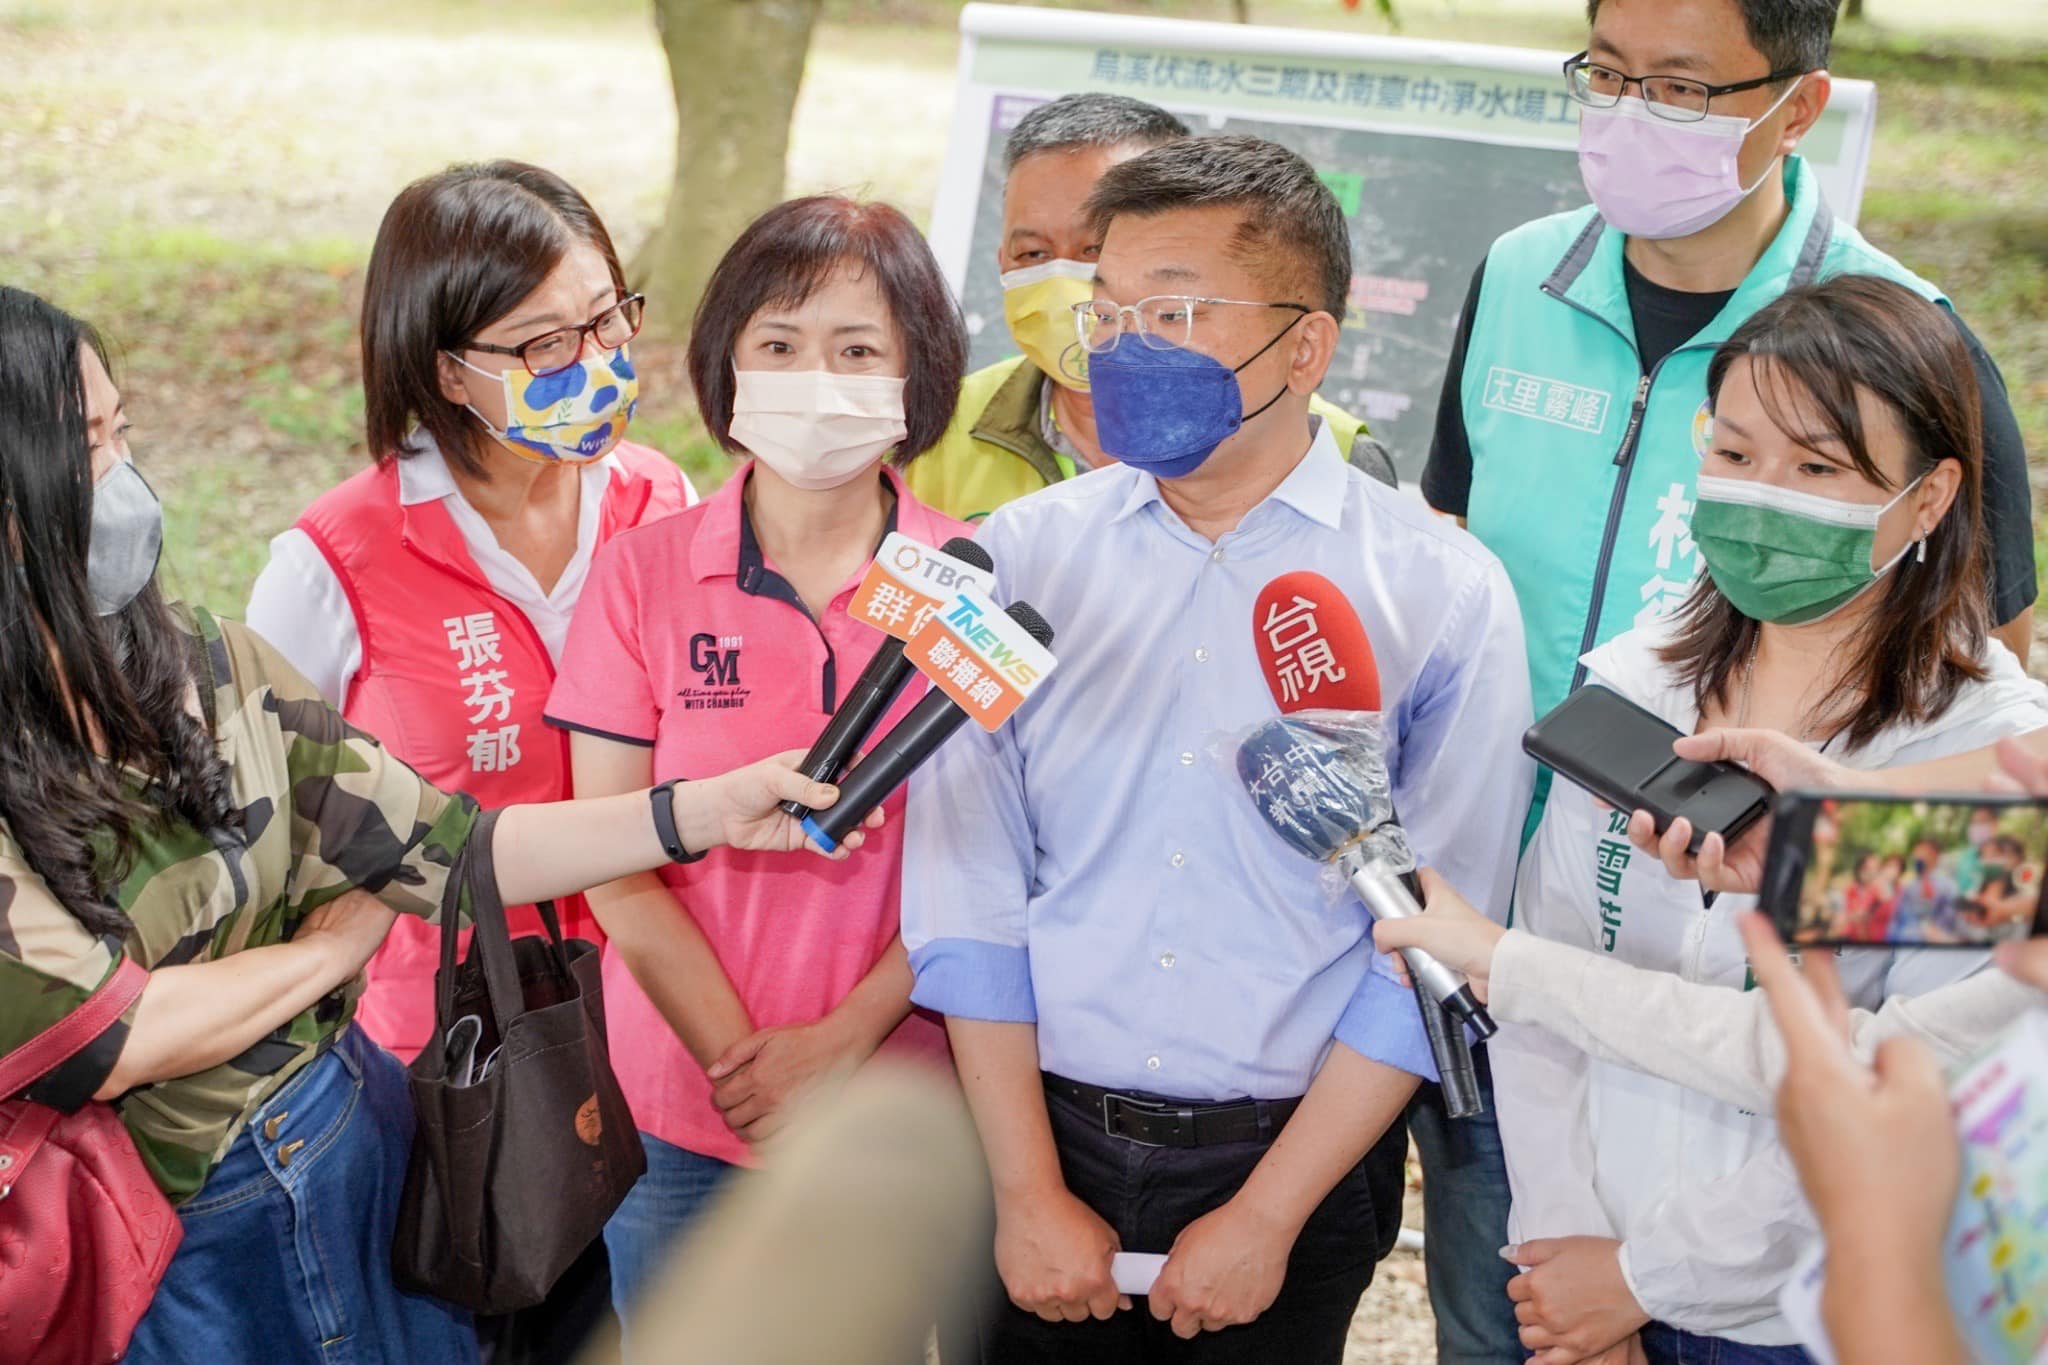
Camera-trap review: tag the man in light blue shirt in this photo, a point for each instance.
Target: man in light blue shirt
(1142, 983)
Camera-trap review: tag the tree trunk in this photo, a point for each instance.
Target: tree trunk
(734, 66)
(1852, 9)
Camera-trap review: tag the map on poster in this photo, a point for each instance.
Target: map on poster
(1433, 149)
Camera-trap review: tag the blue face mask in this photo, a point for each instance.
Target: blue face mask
(1165, 409)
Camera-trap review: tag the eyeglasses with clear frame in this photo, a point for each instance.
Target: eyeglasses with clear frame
(1677, 98)
(1161, 321)
(552, 352)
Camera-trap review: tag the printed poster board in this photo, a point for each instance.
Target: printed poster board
(1433, 149)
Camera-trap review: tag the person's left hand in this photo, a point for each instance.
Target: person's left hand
(1224, 1270)
(759, 1078)
(742, 808)
(1448, 929)
(1572, 1300)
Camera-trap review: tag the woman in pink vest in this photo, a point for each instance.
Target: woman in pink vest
(828, 348)
(428, 596)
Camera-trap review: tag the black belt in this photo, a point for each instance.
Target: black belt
(1155, 1122)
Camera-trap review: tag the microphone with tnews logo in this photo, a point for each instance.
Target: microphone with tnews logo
(871, 694)
(935, 717)
(1318, 774)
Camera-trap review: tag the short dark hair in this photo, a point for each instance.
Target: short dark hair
(1819, 346)
(1288, 210)
(1090, 121)
(457, 251)
(1793, 35)
(782, 258)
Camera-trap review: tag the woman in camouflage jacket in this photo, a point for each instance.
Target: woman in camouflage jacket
(173, 793)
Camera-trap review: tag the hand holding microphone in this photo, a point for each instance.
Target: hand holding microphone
(1318, 774)
(1448, 929)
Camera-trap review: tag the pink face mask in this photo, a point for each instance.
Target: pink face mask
(1654, 178)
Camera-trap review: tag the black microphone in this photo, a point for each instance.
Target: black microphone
(882, 769)
(871, 694)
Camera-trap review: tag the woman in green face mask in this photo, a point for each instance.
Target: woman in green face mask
(1842, 604)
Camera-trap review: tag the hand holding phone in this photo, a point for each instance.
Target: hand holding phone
(1622, 754)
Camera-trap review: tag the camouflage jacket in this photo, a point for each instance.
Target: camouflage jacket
(326, 808)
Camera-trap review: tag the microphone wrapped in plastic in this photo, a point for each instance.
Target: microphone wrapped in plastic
(872, 693)
(1319, 778)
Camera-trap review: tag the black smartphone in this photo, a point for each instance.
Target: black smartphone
(1622, 754)
(1846, 870)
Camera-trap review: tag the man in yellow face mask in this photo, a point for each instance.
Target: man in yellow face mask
(1027, 421)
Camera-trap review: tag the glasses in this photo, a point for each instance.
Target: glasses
(1161, 322)
(552, 352)
(1672, 97)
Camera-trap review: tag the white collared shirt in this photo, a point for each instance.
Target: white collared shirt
(300, 606)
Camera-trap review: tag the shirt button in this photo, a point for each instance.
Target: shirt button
(1216, 555)
(1187, 758)
(1166, 959)
(1178, 859)
(1201, 654)
(1151, 1063)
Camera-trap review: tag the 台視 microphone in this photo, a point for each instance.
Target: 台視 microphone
(1318, 775)
(1315, 656)
(882, 769)
(872, 693)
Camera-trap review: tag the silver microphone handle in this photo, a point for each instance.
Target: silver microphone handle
(1381, 890)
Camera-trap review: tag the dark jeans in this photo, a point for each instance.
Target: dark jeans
(287, 1250)
(1464, 1226)
(1148, 1194)
(1669, 1346)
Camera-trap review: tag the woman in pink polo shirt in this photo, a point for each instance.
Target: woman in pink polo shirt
(828, 348)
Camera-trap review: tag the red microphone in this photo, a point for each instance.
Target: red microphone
(1312, 647)
(1316, 656)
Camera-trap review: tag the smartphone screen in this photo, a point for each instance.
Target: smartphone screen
(1962, 873)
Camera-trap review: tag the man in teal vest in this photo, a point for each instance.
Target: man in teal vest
(1573, 418)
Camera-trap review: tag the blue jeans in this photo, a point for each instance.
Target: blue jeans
(1669, 1346)
(1464, 1226)
(287, 1250)
(662, 1203)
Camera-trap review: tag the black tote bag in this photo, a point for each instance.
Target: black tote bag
(516, 1166)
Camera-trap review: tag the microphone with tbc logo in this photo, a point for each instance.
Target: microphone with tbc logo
(935, 717)
(875, 690)
(1318, 775)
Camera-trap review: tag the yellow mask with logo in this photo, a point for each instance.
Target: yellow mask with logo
(1038, 304)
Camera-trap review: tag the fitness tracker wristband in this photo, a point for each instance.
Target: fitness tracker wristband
(663, 799)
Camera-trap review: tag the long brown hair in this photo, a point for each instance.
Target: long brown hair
(1814, 349)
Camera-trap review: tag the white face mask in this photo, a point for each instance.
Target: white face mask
(814, 428)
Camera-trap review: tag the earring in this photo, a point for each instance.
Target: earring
(1920, 555)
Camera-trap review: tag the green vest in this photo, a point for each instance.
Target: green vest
(1582, 463)
(994, 452)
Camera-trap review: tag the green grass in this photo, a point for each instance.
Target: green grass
(202, 178)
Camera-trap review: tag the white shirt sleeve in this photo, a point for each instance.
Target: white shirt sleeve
(1542, 1084)
(301, 608)
(1716, 1040)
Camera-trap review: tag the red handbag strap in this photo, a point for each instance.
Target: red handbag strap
(56, 1044)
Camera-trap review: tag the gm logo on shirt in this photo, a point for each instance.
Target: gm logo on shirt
(717, 657)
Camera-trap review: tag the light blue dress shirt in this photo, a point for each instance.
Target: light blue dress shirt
(1095, 865)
